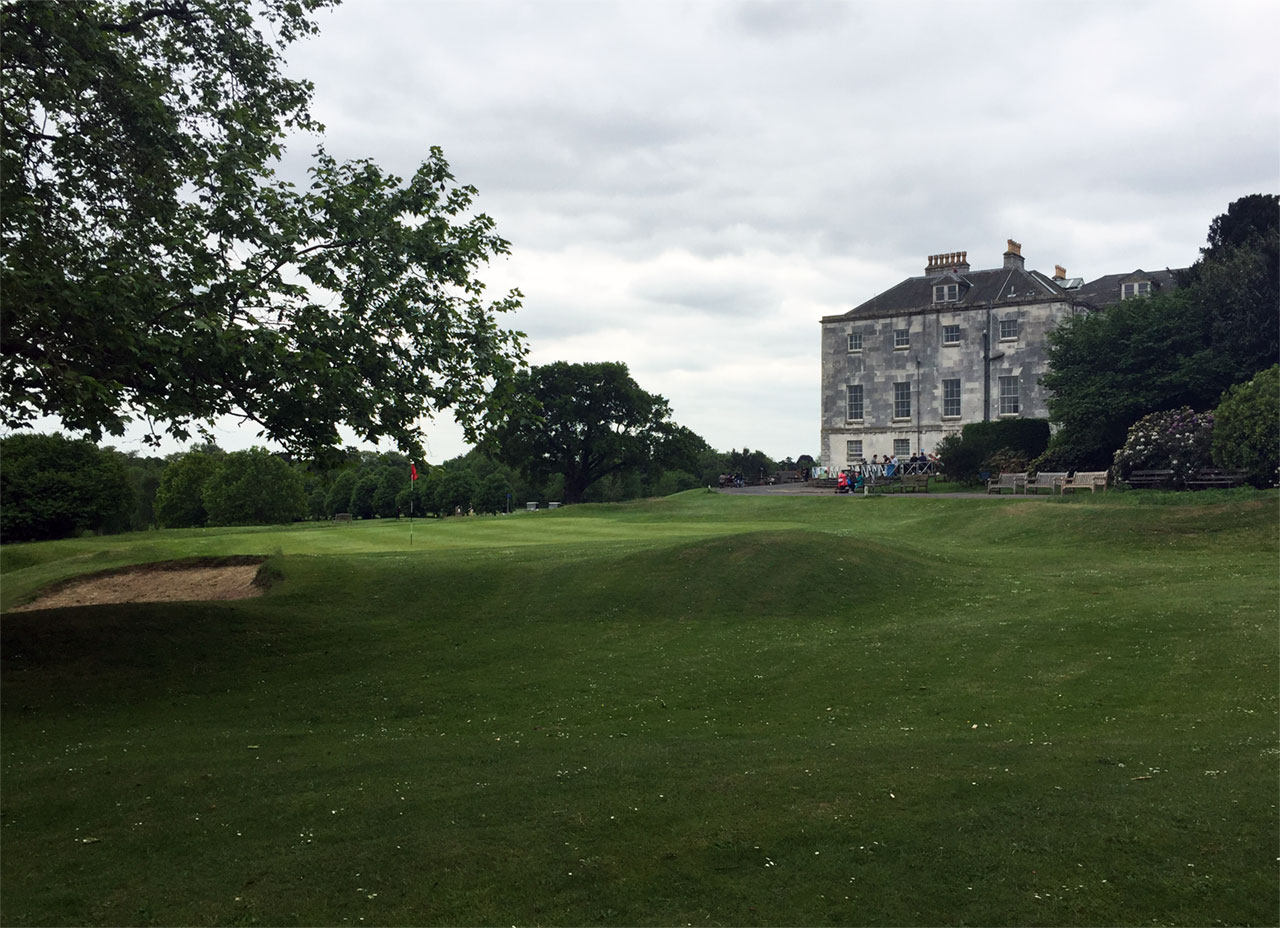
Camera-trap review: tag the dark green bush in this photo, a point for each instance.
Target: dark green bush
(1017, 440)
(1028, 436)
(53, 487)
(1246, 429)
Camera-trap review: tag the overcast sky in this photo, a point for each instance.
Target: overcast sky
(689, 187)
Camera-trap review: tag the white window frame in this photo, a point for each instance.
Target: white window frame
(902, 447)
(853, 450)
(901, 339)
(1010, 402)
(946, 293)
(1135, 290)
(849, 402)
(1009, 330)
(855, 341)
(959, 335)
(948, 399)
(902, 400)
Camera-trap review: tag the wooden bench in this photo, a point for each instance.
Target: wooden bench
(1047, 480)
(1091, 480)
(914, 482)
(1213, 477)
(1012, 482)
(1150, 478)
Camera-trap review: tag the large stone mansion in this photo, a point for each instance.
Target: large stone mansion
(927, 356)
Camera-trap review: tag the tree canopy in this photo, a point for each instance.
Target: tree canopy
(586, 422)
(1179, 348)
(253, 487)
(154, 265)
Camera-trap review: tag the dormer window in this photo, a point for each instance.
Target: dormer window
(946, 293)
(1136, 289)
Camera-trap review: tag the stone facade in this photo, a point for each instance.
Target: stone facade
(922, 359)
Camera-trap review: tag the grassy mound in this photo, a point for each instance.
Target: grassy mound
(711, 709)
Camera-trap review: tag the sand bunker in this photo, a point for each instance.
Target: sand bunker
(155, 583)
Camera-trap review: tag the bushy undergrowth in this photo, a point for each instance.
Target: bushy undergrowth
(1247, 428)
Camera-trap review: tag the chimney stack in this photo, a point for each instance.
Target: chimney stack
(953, 262)
(1013, 256)
(1059, 272)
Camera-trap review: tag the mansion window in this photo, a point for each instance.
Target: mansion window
(855, 341)
(1140, 288)
(1008, 330)
(853, 402)
(902, 401)
(951, 335)
(1009, 396)
(946, 293)
(853, 451)
(901, 338)
(902, 447)
(950, 398)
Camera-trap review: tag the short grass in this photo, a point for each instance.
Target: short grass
(703, 710)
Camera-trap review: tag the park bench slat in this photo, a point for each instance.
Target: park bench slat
(1091, 480)
(1047, 480)
(1004, 482)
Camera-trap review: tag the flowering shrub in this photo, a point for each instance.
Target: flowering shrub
(1005, 461)
(1178, 440)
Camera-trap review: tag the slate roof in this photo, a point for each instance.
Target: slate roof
(1106, 290)
(996, 288)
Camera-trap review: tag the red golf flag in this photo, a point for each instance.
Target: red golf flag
(413, 471)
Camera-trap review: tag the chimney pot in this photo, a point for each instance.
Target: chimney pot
(1059, 272)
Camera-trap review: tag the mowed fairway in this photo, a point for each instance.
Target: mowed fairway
(707, 710)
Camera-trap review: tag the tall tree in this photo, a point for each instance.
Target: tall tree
(587, 421)
(154, 266)
(253, 487)
(180, 495)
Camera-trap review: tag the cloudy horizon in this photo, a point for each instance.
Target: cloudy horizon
(689, 187)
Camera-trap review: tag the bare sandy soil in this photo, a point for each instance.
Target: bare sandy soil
(151, 585)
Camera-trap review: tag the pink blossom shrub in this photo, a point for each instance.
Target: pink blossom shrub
(1179, 440)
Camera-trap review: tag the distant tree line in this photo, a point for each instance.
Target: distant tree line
(55, 487)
